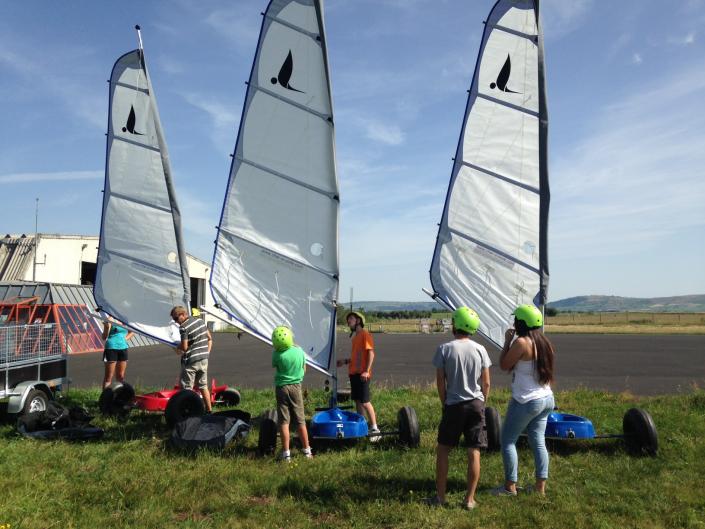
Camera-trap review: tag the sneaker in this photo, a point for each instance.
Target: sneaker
(469, 505)
(286, 458)
(375, 438)
(434, 501)
(501, 491)
(307, 453)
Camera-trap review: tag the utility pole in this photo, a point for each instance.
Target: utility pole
(36, 238)
(351, 299)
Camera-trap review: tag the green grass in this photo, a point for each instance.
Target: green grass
(131, 479)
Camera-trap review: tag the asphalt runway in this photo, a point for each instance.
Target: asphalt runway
(644, 365)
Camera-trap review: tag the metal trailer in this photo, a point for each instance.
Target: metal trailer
(33, 365)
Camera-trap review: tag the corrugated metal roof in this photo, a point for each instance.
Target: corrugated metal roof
(15, 257)
(60, 294)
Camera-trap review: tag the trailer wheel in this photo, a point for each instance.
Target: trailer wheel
(640, 433)
(229, 397)
(36, 400)
(123, 396)
(105, 401)
(409, 433)
(493, 425)
(182, 405)
(343, 395)
(267, 442)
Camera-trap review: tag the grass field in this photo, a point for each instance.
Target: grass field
(574, 323)
(131, 478)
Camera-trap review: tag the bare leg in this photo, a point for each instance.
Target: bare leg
(120, 369)
(442, 452)
(206, 398)
(284, 432)
(109, 373)
(540, 486)
(473, 473)
(367, 406)
(511, 486)
(303, 435)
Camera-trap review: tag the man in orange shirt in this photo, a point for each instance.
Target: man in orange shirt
(360, 368)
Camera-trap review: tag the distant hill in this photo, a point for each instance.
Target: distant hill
(694, 303)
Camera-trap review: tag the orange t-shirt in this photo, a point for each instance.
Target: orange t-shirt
(362, 344)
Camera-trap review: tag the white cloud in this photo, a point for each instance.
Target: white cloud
(638, 178)
(224, 118)
(637, 59)
(561, 17)
(59, 176)
(386, 133)
(683, 40)
(230, 24)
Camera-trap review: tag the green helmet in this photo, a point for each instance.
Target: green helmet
(530, 315)
(466, 320)
(357, 314)
(282, 338)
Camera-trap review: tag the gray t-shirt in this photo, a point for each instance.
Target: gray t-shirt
(463, 361)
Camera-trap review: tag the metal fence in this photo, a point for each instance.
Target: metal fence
(31, 343)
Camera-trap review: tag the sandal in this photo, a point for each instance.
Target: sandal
(435, 501)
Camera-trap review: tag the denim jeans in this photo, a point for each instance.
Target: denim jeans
(532, 417)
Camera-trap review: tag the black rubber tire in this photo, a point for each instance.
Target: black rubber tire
(640, 433)
(493, 425)
(229, 397)
(267, 441)
(123, 396)
(409, 432)
(182, 405)
(36, 400)
(105, 401)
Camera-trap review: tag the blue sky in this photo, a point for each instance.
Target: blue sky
(626, 83)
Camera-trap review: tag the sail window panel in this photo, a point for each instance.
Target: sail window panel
(304, 142)
(497, 213)
(264, 290)
(296, 13)
(290, 64)
(492, 286)
(146, 294)
(518, 15)
(145, 234)
(502, 140)
(285, 217)
(137, 173)
(509, 70)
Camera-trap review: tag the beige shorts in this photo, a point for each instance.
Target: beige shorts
(195, 375)
(290, 401)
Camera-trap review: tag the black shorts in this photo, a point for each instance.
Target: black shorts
(359, 389)
(466, 418)
(115, 355)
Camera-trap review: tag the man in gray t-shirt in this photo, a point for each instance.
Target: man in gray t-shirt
(463, 382)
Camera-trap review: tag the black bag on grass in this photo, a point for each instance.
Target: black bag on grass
(214, 432)
(59, 422)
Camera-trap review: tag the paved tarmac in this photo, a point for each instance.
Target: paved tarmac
(644, 365)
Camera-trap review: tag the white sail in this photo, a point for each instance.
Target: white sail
(491, 252)
(141, 271)
(276, 255)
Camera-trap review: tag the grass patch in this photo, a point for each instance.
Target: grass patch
(131, 479)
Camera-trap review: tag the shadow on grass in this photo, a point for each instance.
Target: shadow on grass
(364, 488)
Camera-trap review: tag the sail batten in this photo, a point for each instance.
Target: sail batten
(276, 256)
(141, 271)
(491, 249)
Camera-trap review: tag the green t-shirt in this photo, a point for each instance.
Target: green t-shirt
(289, 365)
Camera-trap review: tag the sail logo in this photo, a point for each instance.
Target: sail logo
(130, 125)
(503, 78)
(285, 72)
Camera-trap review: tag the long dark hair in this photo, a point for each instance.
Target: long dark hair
(545, 353)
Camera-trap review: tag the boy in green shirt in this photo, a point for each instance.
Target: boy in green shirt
(290, 364)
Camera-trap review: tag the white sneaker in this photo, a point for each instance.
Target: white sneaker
(375, 438)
